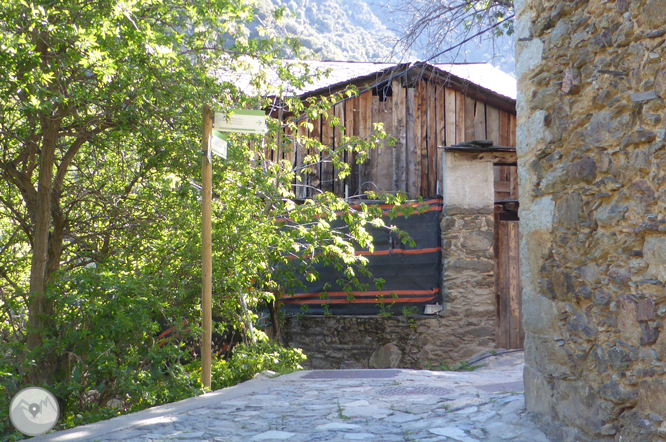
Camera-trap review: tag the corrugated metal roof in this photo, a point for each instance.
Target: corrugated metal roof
(336, 74)
(485, 75)
(341, 72)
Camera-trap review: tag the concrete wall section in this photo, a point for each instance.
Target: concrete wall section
(467, 183)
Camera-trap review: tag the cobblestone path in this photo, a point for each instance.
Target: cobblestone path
(344, 405)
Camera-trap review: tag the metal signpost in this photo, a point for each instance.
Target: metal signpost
(215, 142)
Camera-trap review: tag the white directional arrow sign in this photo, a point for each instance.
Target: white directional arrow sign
(241, 121)
(219, 144)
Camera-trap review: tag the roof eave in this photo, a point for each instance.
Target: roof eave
(476, 91)
(366, 81)
(429, 72)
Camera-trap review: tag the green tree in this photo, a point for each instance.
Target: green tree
(98, 97)
(100, 129)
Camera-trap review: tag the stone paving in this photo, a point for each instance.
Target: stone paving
(344, 405)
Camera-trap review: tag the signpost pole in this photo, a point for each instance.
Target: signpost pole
(242, 121)
(207, 251)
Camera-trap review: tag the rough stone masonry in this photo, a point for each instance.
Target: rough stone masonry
(592, 165)
(465, 326)
(467, 323)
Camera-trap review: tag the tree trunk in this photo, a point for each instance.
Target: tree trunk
(40, 310)
(275, 319)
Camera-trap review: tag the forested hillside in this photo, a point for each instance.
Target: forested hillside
(332, 29)
(367, 30)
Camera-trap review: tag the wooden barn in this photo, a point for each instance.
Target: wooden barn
(425, 107)
(455, 127)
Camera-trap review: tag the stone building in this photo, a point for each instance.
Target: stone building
(455, 132)
(592, 172)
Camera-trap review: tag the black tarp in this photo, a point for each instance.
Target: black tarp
(412, 275)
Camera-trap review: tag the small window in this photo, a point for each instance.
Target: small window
(382, 91)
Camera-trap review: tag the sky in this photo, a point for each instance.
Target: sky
(499, 51)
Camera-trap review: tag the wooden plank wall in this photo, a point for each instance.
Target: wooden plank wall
(510, 333)
(506, 176)
(420, 117)
(506, 183)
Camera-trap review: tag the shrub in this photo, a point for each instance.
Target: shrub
(105, 347)
(250, 359)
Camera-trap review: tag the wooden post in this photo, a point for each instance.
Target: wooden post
(480, 121)
(412, 138)
(460, 117)
(206, 243)
(399, 130)
(493, 125)
(450, 118)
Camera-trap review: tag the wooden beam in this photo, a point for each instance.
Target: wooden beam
(327, 140)
(499, 338)
(351, 130)
(493, 125)
(338, 136)
(450, 111)
(480, 121)
(206, 249)
(470, 106)
(440, 115)
(513, 179)
(505, 129)
(375, 155)
(490, 157)
(413, 141)
(460, 118)
(429, 186)
(364, 132)
(502, 186)
(314, 178)
(288, 146)
(512, 130)
(399, 157)
(513, 244)
(299, 154)
(422, 139)
(356, 168)
(383, 167)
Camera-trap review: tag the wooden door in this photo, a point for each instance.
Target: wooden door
(510, 334)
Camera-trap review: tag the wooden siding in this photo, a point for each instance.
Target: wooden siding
(420, 117)
(506, 183)
(510, 333)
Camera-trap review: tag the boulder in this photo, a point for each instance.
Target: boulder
(387, 356)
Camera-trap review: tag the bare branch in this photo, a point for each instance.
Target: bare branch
(433, 26)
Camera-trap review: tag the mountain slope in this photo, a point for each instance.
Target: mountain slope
(365, 30)
(342, 30)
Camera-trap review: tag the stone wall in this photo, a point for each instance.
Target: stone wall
(465, 326)
(468, 276)
(592, 169)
